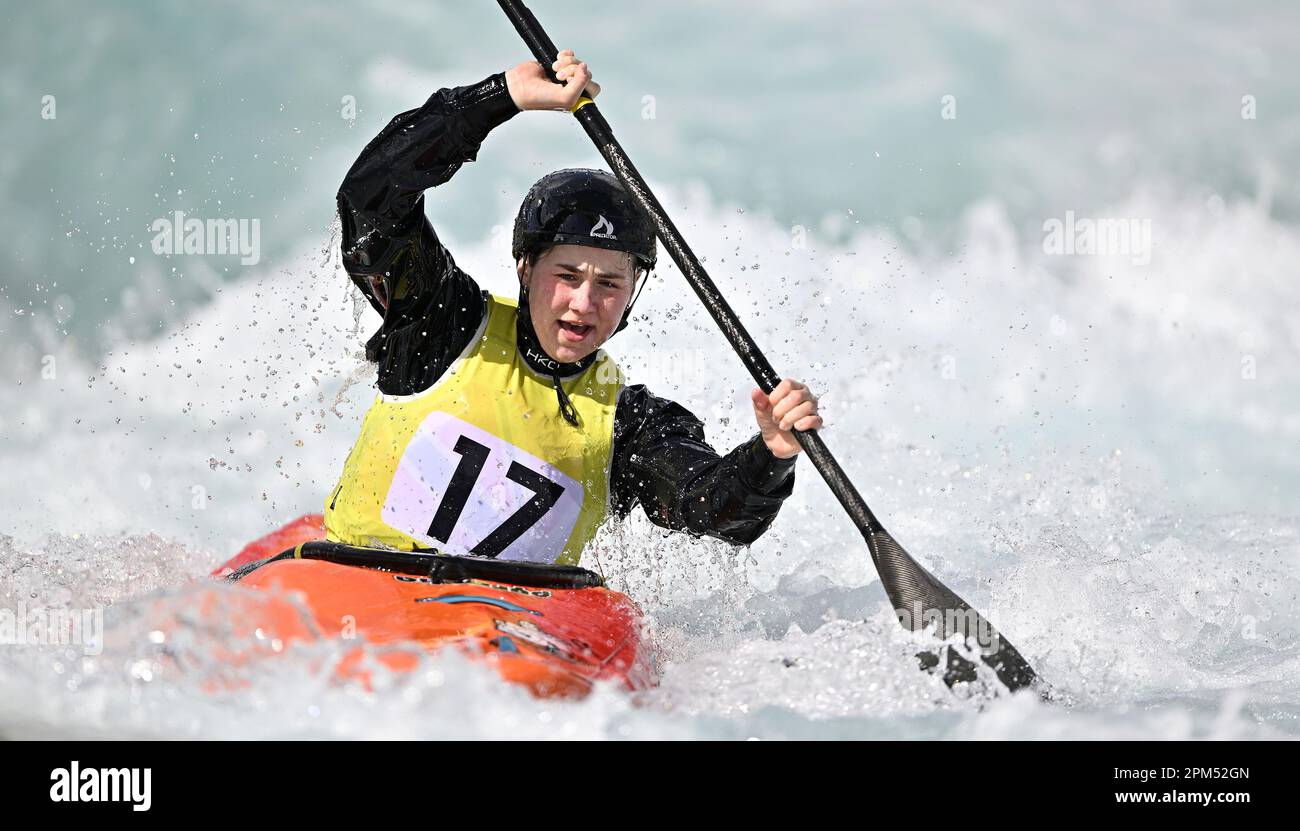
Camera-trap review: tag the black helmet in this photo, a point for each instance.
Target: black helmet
(583, 207)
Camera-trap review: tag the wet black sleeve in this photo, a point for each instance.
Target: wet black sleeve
(662, 462)
(435, 306)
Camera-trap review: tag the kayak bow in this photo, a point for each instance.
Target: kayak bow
(553, 629)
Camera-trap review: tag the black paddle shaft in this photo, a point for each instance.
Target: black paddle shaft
(918, 596)
(603, 136)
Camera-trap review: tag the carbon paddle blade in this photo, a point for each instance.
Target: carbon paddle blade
(920, 601)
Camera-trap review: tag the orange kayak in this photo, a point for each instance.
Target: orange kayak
(554, 629)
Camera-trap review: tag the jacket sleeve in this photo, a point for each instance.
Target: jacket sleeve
(386, 234)
(662, 462)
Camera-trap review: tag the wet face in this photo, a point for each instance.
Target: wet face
(576, 296)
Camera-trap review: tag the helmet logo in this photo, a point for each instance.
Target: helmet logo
(602, 229)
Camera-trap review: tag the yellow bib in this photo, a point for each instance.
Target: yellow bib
(482, 462)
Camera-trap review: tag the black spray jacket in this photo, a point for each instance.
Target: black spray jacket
(660, 461)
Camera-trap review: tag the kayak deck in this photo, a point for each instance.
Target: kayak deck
(554, 641)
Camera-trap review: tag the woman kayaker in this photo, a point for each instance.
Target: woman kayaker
(501, 428)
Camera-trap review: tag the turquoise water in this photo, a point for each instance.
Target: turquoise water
(1100, 454)
(818, 114)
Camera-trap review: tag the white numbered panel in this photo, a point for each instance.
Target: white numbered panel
(463, 490)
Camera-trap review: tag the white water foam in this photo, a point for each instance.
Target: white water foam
(1069, 443)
